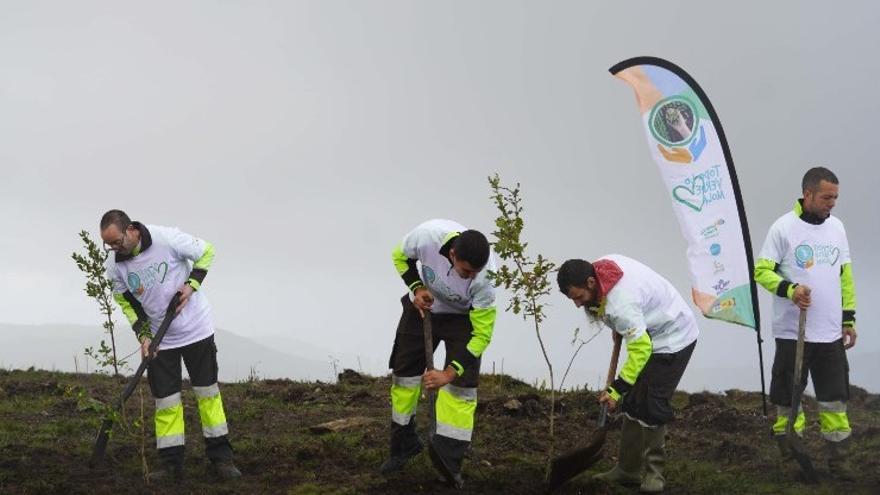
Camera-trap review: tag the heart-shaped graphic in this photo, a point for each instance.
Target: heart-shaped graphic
(692, 197)
(162, 268)
(836, 253)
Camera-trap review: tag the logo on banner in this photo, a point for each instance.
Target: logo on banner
(807, 256)
(721, 286)
(724, 304)
(712, 230)
(675, 124)
(700, 190)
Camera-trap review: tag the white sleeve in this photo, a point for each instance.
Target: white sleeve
(185, 245)
(413, 241)
(112, 272)
(625, 317)
(774, 245)
(844, 247)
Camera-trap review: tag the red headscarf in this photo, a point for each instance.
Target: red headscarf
(607, 274)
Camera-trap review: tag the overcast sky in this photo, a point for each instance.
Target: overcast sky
(304, 139)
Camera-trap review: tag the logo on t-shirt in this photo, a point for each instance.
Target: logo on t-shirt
(145, 278)
(807, 256)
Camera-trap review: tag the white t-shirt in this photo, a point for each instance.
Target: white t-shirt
(642, 300)
(452, 294)
(155, 274)
(810, 255)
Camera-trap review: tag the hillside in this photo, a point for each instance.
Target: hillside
(718, 443)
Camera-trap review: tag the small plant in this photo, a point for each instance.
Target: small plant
(579, 343)
(100, 288)
(526, 278)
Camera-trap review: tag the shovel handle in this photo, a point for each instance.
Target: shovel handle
(429, 341)
(615, 355)
(612, 371)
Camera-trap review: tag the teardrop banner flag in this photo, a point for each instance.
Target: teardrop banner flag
(687, 143)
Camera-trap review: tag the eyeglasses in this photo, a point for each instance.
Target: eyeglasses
(117, 244)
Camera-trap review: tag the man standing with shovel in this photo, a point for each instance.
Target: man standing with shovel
(806, 263)
(453, 287)
(660, 332)
(151, 264)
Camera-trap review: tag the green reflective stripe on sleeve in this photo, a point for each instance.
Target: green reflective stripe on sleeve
(483, 322)
(194, 284)
(766, 276)
(400, 259)
(459, 369)
(614, 394)
(638, 351)
(207, 258)
(126, 308)
(847, 287)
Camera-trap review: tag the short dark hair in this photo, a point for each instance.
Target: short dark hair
(574, 273)
(117, 218)
(472, 246)
(816, 175)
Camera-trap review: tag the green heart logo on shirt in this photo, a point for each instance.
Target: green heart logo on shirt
(692, 197)
(836, 253)
(162, 269)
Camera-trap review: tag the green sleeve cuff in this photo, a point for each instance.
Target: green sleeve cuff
(459, 369)
(613, 393)
(194, 284)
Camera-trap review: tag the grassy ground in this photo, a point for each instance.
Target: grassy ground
(718, 443)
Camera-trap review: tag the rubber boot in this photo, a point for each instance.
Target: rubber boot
(629, 459)
(170, 471)
(405, 445)
(225, 470)
(655, 459)
(784, 447)
(838, 459)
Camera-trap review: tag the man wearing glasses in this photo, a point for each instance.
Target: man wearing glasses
(149, 265)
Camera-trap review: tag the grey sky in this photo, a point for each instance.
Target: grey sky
(304, 139)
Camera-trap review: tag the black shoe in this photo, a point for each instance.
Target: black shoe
(225, 470)
(169, 473)
(397, 462)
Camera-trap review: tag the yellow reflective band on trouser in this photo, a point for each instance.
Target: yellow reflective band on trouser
(455, 412)
(782, 421)
(169, 421)
(833, 422)
(404, 398)
(211, 411)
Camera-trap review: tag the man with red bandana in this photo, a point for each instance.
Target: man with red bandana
(660, 332)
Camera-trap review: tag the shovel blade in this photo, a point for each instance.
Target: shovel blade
(572, 463)
(439, 464)
(799, 452)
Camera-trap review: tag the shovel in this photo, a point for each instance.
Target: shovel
(795, 443)
(572, 463)
(104, 431)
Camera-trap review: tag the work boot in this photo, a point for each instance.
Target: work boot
(784, 447)
(225, 470)
(838, 459)
(398, 461)
(655, 459)
(170, 471)
(629, 460)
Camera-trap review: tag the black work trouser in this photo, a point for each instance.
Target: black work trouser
(164, 374)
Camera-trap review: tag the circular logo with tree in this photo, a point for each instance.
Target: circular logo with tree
(673, 121)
